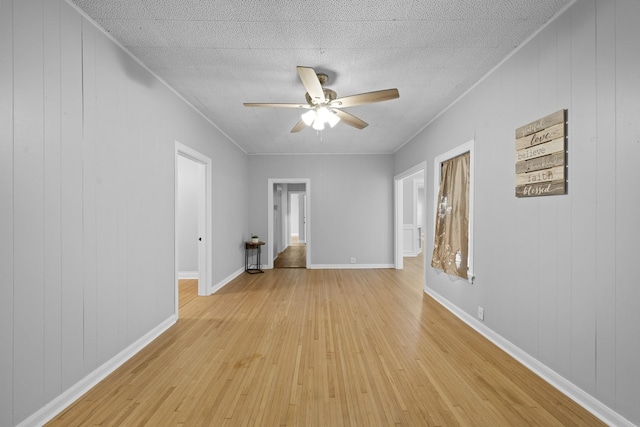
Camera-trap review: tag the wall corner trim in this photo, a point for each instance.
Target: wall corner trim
(584, 399)
(73, 393)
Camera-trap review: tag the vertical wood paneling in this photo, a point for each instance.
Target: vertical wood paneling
(52, 230)
(72, 295)
(134, 169)
(548, 255)
(28, 362)
(86, 181)
(107, 200)
(166, 162)
(166, 223)
(163, 235)
(564, 219)
(122, 149)
(155, 228)
(152, 229)
(582, 164)
(502, 294)
(527, 212)
(145, 193)
(606, 202)
(627, 210)
(89, 244)
(6, 212)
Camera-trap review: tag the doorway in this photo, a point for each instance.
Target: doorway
(193, 213)
(293, 254)
(410, 217)
(289, 223)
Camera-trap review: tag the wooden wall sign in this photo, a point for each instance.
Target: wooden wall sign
(541, 156)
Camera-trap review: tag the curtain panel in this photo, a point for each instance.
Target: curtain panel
(451, 240)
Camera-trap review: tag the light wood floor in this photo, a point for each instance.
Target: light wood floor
(296, 347)
(294, 256)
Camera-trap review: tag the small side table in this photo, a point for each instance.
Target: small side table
(248, 247)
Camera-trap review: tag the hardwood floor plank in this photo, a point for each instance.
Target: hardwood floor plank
(295, 347)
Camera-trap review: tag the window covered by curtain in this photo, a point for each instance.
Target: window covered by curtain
(451, 241)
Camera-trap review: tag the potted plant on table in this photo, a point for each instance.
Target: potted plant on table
(255, 238)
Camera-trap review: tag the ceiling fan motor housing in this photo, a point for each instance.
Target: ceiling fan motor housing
(329, 95)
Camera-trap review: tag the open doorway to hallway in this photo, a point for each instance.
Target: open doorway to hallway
(289, 223)
(410, 218)
(187, 224)
(295, 253)
(193, 222)
(294, 256)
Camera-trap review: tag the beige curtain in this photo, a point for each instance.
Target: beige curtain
(451, 241)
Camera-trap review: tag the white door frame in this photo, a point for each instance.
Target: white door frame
(205, 246)
(399, 211)
(270, 183)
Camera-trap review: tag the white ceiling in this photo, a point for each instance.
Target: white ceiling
(220, 53)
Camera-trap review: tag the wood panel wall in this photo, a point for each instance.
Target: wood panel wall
(87, 139)
(6, 212)
(556, 275)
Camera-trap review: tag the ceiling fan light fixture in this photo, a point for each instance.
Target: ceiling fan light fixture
(323, 114)
(332, 119)
(318, 124)
(328, 116)
(309, 117)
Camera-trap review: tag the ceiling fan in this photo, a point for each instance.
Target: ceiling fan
(324, 107)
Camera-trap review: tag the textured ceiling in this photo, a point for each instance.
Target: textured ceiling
(221, 53)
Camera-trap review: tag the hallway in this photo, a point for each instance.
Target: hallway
(294, 256)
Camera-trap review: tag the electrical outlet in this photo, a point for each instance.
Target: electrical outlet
(353, 260)
(481, 313)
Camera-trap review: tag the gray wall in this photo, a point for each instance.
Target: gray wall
(410, 206)
(557, 275)
(87, 213)
(351, 205)
(187, 226)
(407, 201)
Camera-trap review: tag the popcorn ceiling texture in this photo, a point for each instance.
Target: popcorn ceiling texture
(219, 54)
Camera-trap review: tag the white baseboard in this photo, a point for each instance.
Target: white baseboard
(73, 393)
(226, 280)
(584, 399)
(348, 266)
(188, 275)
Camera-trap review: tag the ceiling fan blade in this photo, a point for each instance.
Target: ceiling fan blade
(276, 105)
(311, 83)
(366, 98)
(350, 119)
(299, 126)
